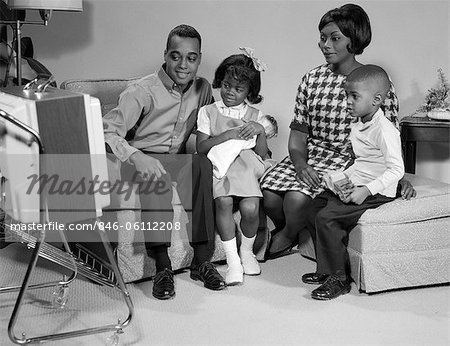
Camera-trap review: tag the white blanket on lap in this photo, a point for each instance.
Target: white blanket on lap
(223, 154)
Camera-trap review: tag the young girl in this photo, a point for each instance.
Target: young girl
(239, 80)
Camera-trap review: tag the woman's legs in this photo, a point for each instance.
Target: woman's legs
(294, 204)
(273, 207)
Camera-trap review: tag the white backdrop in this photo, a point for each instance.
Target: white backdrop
(112, 38)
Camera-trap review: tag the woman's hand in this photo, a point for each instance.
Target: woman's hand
(250, 129)
(406, 189)
(147, 166)
(309, 176)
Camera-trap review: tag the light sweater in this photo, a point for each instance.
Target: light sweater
(377, 147)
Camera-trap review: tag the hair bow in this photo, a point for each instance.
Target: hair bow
(257, 63)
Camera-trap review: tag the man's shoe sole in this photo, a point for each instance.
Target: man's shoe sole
(344, 291)
(164, 297)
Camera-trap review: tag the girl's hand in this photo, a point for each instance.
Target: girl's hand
(250, 129)
(234, 133)
(309, 176)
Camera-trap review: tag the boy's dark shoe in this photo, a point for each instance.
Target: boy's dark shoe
(163, 285)
(208, 274)
(332, 288)
(314, 278)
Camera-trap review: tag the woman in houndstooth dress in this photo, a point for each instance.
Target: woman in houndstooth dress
(319, 136)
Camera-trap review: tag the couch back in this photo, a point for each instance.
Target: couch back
(106, 90)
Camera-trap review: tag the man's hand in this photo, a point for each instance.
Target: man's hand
(407, 190)
(146, 165)
(309, 176)
(359, 195)
(250, 129)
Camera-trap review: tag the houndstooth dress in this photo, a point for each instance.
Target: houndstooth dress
(321, 111)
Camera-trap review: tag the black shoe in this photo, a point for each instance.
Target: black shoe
(208, 274)
(314, 278)
(332, 288)
(163, 285)
(280, 253)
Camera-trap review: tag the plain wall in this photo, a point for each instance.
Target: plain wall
(127, 38)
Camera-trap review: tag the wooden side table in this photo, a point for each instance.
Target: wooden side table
(420, 129)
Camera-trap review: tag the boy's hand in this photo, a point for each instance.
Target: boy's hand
(407, 190)
(146, 165)
(359, 195)
(250, 129)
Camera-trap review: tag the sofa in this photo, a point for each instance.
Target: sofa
(398, 245)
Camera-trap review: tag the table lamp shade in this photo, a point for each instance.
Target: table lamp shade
(61, 5)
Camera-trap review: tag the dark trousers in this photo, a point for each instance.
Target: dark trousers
(329, 223)
(193, 177)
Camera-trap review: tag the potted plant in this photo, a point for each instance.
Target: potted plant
(437, 102)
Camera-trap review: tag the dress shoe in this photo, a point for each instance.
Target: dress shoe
(332, 288)
(314, 278)
(208, 274)
(235, 274)
(163, 285)
(250, 263)
(287, 250)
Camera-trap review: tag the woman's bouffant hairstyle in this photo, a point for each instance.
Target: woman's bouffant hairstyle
(353, 22)
(241, 68)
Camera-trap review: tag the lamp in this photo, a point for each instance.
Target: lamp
(45, 8)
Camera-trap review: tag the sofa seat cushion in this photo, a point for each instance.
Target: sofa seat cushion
(432, 201)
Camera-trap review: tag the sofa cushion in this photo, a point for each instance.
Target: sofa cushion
(432, 201)
(106, 90)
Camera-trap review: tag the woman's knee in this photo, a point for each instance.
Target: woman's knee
(273, 202)
(296, 205)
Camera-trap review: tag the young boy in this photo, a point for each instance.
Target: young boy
(377, 168)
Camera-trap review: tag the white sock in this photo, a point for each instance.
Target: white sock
(231, 253)
(247, 244)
